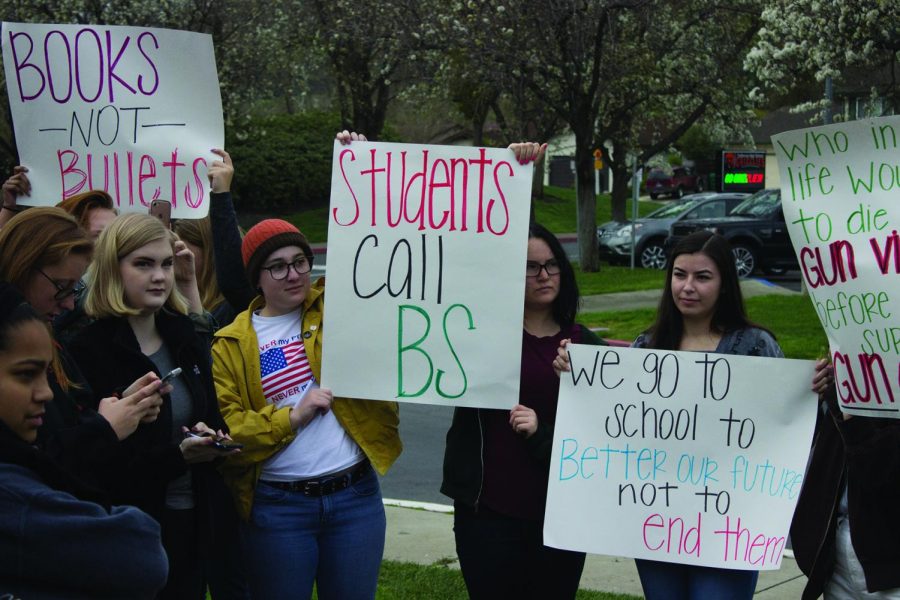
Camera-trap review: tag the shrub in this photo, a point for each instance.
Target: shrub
(283, 162)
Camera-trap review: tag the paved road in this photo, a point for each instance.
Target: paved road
(417, 473)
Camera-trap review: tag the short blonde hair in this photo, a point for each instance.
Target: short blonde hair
(106, 292)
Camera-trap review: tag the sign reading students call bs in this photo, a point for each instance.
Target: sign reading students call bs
(426, 274)
(841, 197)
(130, 110)
(685, 457)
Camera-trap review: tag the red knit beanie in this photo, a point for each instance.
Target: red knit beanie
(266, 237)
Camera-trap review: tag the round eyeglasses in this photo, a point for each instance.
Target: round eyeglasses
(279, 271)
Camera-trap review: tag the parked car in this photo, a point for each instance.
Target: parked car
(756, 231)
(614, 237)
(675, 184)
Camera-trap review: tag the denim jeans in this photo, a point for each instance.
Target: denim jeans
(671, 581)
(336, 540)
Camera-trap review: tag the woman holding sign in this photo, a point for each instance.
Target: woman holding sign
(142, 287)
(701, 310)
(305, 483)
(496, 462)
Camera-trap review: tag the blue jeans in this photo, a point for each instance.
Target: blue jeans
(336, 540)
(671, 581)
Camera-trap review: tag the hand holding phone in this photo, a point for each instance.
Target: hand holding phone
(220, 443)
(170, 376)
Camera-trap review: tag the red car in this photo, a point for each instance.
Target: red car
(675, 184)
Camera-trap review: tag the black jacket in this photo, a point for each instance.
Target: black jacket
(111, 359)
(81, 441)
(864, 452)
(463, 455)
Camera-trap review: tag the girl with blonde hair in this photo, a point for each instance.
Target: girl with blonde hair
(142, 287)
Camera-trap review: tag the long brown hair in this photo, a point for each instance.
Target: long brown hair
(729, 314)
(198, 232)
(81, 205)
(38, 238)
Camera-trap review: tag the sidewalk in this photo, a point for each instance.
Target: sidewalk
(425, 537)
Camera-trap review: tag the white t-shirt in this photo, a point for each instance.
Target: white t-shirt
(322, 446)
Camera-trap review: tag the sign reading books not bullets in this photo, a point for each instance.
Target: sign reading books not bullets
(841, 197)
(686, 457)
(426, 274)
(133, 111)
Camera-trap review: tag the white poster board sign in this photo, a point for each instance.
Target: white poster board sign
(426, 274)
(841, 199)
(685, 457)
(130, 110)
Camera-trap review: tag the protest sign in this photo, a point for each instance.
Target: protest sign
(426, 274)
(130, 110)
(686, 457)
(841, 199)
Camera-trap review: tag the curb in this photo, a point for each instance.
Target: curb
(426, 506)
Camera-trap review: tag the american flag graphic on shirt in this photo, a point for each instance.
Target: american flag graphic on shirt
(283, 368)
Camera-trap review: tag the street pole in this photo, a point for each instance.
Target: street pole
(635, 189)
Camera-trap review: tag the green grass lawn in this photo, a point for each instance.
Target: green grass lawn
(409, 581)
(791, 318)
(556, 212)
(618, 279)
(402, 581)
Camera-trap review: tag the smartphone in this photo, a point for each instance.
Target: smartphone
(221, 443)
(170, 375)
(162, 210)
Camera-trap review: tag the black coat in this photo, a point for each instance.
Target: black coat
(864, 453)
(110, 359)
(81, 441)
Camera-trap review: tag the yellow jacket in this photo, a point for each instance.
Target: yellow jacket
(265, 429)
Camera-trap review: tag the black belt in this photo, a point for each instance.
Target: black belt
(326, 484)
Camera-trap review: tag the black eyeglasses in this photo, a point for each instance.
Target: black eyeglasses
(62, 291)
(533, 269)
(279, 271)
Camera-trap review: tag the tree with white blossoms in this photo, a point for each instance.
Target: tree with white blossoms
(375, 50)
(611, 69)
(803, 39)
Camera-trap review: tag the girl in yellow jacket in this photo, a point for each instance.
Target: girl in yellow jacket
(304, 481)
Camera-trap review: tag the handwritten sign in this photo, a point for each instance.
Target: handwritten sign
(683, 457)
(130, 110)
(840, 191)
(426, 274)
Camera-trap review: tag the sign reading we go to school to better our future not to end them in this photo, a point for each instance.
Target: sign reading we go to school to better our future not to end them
(685, 457)
(131, 110)
(840, 191)
(426, 274)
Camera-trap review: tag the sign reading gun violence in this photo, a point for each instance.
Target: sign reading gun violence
(841, 199)
(686, 457)
(130, 110)
(426, 274)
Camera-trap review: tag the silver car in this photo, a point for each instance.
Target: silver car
(651, 231)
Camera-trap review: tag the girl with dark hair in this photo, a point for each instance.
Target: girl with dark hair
(496, 462)
(701, 309)
(58, 539)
